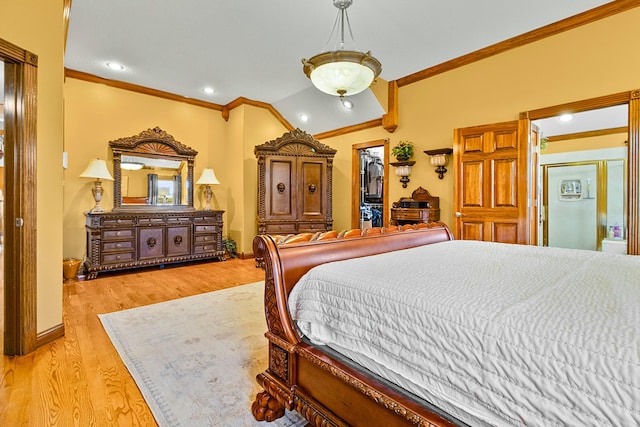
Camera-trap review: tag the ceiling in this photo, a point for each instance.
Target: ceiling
(253, 49)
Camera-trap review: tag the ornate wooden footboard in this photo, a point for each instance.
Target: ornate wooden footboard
(301, 377)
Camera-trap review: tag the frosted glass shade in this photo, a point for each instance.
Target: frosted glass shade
(439, 160)
(342, 72)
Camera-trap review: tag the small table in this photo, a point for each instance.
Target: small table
(420, 207)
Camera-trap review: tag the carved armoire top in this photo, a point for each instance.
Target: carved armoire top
(294, 143)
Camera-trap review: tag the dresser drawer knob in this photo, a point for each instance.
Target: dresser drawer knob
(151, 242)
(177, 240)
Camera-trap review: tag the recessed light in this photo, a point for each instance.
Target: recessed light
(208, 90)
(346, 103)
(115, 66)
(304, 117)
(566, 117)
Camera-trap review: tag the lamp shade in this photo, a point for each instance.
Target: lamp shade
(208, 177)
(97, 169)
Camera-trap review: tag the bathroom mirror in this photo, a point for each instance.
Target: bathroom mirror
(152, 171)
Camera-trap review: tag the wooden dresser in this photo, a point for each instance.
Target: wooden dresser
(294, 184)
(125, 240)
(420, 207)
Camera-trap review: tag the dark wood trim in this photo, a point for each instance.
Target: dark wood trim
(245, 101)
(348, 129)
(79, 75)
(577, 106)
(20, 272)
(66, 12)
(588, 134)
(390, 120)
(50, 335)
(355, 180)
(592, 15)
(632, 98)
(633, 235)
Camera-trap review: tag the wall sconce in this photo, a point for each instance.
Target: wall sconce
(403, 170)
(439, 158)
(207, 179)
(97, 169)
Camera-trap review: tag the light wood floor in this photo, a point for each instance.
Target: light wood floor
(79, 380)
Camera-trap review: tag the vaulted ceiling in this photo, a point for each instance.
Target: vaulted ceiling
(253, 49)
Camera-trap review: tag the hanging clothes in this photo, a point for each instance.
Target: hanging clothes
(374, 178)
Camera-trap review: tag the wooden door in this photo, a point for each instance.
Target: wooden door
(312, 192)
(280, 197)
(492, 182)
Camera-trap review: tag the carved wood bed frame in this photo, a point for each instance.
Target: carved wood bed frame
(301, 377)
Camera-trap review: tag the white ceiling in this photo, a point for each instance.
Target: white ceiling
(253, 49)
(598, 119)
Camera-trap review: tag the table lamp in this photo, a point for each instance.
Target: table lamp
(97, 169)
(207, 179)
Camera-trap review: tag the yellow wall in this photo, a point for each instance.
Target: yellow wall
(589, 143)
(96, 114)
(37, 26)
(586, 62)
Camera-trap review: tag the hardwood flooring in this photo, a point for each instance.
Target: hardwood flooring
(79, 380)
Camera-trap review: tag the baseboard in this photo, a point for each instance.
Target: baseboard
(245, 256)
(50, 335)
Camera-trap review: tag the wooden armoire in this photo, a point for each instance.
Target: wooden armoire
(294, 184)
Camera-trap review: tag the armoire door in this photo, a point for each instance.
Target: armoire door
(312, 192)
(281, 188)
(492, 183)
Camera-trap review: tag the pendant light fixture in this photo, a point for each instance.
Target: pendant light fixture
(342, 72)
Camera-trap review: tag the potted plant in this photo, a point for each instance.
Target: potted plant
(403, 151)
(230, 247)
(544, 143)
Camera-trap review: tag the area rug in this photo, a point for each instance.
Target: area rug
(195, 359)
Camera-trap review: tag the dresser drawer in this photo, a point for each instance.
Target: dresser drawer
(117, 246)
(416, 214)
(201, 249)
(119, 222)
(281, 229)
(117, 258)
(210, 228)
(117, 234)
(150, 221)
(172, 220)
(310, 227)
(206, 239)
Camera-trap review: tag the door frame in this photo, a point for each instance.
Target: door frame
(355, 180)
(20, 272)
(632, 99)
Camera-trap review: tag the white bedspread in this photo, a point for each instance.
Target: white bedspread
(494, 334)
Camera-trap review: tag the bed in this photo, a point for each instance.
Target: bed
(486, 333)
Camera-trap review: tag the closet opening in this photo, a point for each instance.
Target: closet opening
(370, 193)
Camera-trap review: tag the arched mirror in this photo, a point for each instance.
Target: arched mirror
(153, 171)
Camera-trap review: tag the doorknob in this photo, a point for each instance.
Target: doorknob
(458, 214)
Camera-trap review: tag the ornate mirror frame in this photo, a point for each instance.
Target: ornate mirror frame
(154, 143)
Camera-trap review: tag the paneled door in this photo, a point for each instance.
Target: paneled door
(492, 182)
